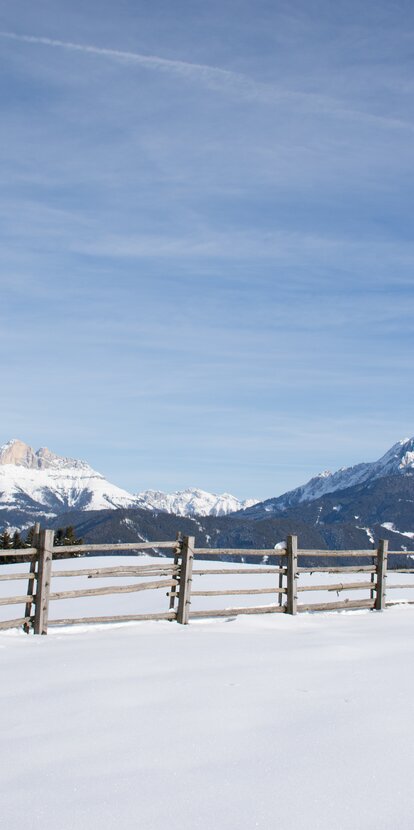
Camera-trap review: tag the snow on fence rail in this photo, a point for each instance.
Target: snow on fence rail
(181, 578)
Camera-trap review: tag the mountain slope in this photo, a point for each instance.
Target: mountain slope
(40, 484)
(192, 502)
(59, 491)
(398, 461)
(230, 531)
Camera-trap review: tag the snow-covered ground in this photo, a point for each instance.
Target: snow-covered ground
(301, 722)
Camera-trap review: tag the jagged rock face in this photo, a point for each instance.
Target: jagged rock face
(19, 454)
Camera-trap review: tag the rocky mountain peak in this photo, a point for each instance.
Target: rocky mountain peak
(20, 454)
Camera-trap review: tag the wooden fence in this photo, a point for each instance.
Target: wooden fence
(180, 578)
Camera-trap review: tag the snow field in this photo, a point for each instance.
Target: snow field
(300, 722)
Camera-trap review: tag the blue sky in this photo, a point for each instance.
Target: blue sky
(207, 236)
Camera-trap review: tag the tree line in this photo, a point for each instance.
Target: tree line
(15, 541)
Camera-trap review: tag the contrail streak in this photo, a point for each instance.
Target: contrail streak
(234, 82)
(149, 61)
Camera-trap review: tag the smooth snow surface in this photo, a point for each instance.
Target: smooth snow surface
(257, 722)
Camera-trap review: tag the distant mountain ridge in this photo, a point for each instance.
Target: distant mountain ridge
(351, 508)
(192, 502)
(399, 460)
(42, 485)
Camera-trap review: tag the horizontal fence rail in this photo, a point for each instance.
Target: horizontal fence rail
(181, 578)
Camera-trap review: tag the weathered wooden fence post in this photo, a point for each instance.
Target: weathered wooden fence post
(292, 574)
(44, 570)
(177, 554)
(382, 557)
(186, 576)
(32, 571)
(373, 591)
(281, 575)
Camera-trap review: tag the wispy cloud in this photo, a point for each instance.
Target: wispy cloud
(202, 71)
(226, 80)
(220, 264)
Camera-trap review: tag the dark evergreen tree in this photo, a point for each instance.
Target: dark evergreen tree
(59, 536)
(17, 540)
(70, 537)
(28, 542)
(5, 540)
(66, 536)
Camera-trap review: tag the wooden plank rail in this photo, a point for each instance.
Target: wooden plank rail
(395, 602)
(4, 577)
(15, 600)
(164, 615)
(238, 591)
(354, 569)
(239, 552)
(401, 570)
(400, 553)
(244, 571)
(407, 586)
(126, 570)
(333, 606)
(62, 549)
(230, 612)
(11, 552)
(113, 589)
(334, 554)
(339, 586)
(4, 625)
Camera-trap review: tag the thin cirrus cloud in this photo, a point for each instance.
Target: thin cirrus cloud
(149, 61)
(225, 80)
(211, 260)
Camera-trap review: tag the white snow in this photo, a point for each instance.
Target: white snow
(369, 533)
(67, 487)
(192, 502)
(391, 526)
(399, 460)
(256, 722)
(51, 481)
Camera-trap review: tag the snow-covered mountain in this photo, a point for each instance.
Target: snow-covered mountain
(192, 502)
(41, 484)
(351, 508)
(397, 461)
(46, 484)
